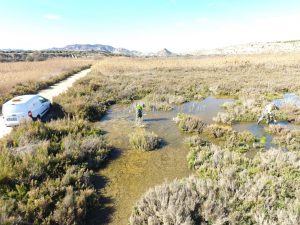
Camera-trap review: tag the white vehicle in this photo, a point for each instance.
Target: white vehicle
(24, 107)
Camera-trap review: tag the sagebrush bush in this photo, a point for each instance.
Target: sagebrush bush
(227, 137)
(228, 189)
(240, 141)
(163, 102)
(195, 141)
(189, 124)
(144, 140)
(90, 149)
(285, 137)
(218, 131)
(174, 203)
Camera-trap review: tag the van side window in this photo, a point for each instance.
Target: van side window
(42, 100)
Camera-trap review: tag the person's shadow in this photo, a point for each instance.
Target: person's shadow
(155, 119)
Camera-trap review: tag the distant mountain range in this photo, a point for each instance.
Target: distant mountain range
(97, 47)
(111, 50)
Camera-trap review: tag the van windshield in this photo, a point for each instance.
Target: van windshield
(9, 109)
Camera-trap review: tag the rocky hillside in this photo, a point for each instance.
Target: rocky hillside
(254, 48)
(165, 53)
(162, 53)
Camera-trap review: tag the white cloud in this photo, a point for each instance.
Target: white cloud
(52, 16)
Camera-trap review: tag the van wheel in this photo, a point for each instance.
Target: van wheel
(38, 118)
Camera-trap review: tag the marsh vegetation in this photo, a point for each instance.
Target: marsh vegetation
(226, 187)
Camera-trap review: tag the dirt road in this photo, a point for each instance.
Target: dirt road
(49, 93)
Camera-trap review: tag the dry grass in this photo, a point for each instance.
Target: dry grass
(258, 77)
(20, 72)
(125, 64)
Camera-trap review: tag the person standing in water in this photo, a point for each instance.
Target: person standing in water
(139, 113)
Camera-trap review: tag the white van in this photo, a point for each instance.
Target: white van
(24, 107)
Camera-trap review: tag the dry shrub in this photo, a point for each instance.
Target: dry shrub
(174, 203)
(90, 149)
(217, 130)
(223, 117)
(227, 137)
(164, 102)
(277, 129)
(229, 189)
(240, 141)
(292, 112)
(284, 137)
(189, 124)
(144, 140)
(195, 141)
(243, 110)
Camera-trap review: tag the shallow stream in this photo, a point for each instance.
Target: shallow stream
(133, 172)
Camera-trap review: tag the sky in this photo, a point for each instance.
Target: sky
(146, 25)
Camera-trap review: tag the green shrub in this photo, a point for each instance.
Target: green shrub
(228, 138)
(189, 124)
(91, 149)
(143, 140)
(6, 165)
(45, 172)
(218, 131)
(240, 141)
(195, 141)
